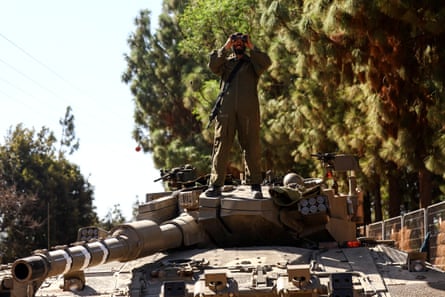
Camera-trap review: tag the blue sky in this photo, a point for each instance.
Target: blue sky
(55, 54)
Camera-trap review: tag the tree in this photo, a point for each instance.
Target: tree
(165, 124)
(377, 85)
(113, 218)
(68, 141)
(400, 66)
(360, 77)
(28, 163)
(16, 222)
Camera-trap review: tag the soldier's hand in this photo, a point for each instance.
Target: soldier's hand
(249, 43)
(229, 43)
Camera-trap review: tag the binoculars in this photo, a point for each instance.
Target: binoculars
(239, 36)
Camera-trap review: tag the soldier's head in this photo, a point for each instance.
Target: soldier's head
(239, 41)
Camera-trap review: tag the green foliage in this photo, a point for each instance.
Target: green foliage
(61, 198)
(68, 142)
(16, 222)
(360, 77)
(207, 24)
(364, 92)
(166, 124)
(113, 218)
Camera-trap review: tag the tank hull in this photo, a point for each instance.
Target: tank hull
(255, 271)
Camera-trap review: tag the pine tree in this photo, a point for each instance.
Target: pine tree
(68, 141)
(368, 77)
(359, 77)
(396, 49)
(166, 126)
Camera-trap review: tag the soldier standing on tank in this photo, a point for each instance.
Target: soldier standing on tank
(239, 111)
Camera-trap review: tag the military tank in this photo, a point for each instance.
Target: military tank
(299, 240)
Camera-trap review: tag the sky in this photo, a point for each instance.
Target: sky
(55, 54)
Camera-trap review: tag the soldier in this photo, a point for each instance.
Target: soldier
(239, 111)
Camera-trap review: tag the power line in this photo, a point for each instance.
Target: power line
(112, 112)
(15, 86)
(16, 98)
(38, 61)
(23, 74)
(28, 77)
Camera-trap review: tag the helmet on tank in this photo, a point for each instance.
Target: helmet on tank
(292, 179)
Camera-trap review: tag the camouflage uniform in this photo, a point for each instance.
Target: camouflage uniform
(239, 112)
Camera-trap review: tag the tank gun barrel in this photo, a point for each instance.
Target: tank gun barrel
(127, 242)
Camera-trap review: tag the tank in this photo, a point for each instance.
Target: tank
(299, 240)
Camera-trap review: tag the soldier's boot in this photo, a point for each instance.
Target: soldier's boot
(213, 191)
(256, 191)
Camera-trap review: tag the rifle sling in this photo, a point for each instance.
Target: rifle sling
(217, 105)
(231, 76)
